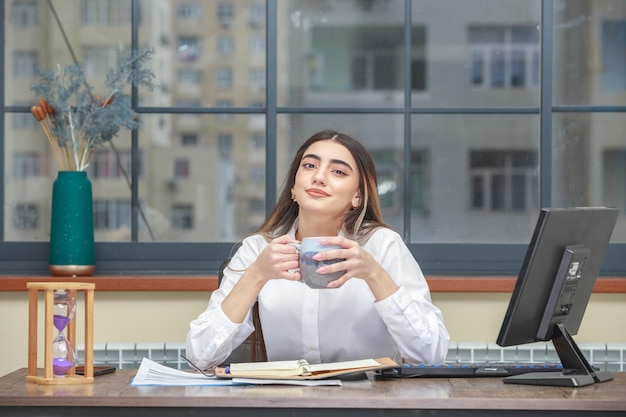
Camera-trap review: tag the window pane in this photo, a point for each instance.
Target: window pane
(340, 54)
(588, 163)
(202, 183)
(589, 54)
(483, 177)
(476, 62)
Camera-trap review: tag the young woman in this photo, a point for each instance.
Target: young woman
(380, 307)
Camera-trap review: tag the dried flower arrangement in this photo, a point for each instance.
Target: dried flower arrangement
(75, 120)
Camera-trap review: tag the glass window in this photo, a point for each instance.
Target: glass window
(182, 216)
(257, 15)
(106, 12)
(111, 214)
(613, 57)
(188, 48)
(189, 139)
(257, 44)
(504, 57)
(27, 164)
(108, 164)
(224, 77)
(181, 168)
(189, 11)
(503, 180)
(225, 13)
(225, 45)
(25, 216)
(24, 13)
(24, 64)
(446, 95)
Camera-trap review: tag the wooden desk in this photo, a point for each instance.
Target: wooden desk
(112, 395)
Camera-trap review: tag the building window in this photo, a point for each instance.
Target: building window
(613, 56)
(225, 14)
(25, 216)
(24, 13)
(106, 12)
(106, 164)
(181, 168)
(189, 11)
(504, 57)
(24, 64)
(24, 121)
(257, 15)
(257, 78)
(225, 45)
(27, 164)
(504, 180)
(189, 139)
(182, 216)
(188, 48)
(189, 76)
(375, 54)
(225, 144)
(256, 44)
(224, 77)
(111, 214)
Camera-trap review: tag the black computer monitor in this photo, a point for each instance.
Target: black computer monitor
(553, 289)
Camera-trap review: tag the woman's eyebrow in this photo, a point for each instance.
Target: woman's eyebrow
(333, 161)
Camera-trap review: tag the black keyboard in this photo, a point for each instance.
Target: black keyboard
(468, 370)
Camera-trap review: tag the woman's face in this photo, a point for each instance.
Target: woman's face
(327, 181)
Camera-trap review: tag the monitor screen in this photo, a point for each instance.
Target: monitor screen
(553, 289)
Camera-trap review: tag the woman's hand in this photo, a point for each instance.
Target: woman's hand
(358, 263)
(279, 260)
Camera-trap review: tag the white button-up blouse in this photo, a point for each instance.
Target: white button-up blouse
(328, 325)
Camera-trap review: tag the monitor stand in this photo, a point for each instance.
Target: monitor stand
(577, 371)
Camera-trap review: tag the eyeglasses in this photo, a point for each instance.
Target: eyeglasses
(209, 372)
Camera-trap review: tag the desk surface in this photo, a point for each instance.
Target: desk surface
(440, 396)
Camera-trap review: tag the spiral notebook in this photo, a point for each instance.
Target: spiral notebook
(301, 369)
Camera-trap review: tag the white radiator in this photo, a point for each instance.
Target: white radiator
(605, 356)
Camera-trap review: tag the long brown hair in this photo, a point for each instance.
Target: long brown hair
(358, 223)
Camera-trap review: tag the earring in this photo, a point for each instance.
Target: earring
(293, 195)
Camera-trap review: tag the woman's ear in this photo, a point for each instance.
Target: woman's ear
(356, 201)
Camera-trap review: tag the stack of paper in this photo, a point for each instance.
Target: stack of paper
(153, 373)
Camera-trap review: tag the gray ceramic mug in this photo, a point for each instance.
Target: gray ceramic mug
(308, 248)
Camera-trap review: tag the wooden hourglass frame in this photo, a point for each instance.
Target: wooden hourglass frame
(33, 300)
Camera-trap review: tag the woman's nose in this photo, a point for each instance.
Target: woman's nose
(319, 178)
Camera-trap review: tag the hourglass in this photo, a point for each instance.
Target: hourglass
(59, 354)
(63, 354)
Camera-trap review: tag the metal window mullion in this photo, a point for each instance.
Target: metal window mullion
(134, 150)
(271, 41)
(408, 89)
(545, 106)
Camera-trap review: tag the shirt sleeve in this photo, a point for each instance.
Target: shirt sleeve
(212, 336)
(414, 322)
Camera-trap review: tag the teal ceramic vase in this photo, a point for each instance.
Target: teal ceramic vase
(72, 249)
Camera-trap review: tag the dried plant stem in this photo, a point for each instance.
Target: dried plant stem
(45, 125)
(74, 150)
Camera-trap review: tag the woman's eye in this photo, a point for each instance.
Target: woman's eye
(339, 172)
(308, 165)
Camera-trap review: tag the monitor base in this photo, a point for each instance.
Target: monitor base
(553, 379)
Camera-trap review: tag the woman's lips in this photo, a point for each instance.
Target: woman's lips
(315, 192)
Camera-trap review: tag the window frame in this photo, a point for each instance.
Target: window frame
(169, 258)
